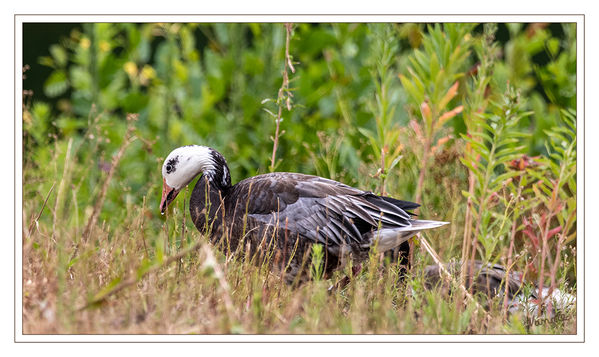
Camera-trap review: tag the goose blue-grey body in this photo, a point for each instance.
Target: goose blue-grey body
(278, 216)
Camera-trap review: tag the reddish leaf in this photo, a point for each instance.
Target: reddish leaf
(529, 231)
(534, 240)
(523, 162)
(416, 127)
(553, 231)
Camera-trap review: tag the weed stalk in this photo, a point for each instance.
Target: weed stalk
(284, 95)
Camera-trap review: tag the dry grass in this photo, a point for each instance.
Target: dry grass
(199, 291)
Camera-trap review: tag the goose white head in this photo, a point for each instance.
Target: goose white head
(182, 165)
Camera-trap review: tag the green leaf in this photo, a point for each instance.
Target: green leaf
(417, 95)
(505, 176)
(59, 54)
(509, 151)
(46, 61)
(134, 102)
(483, 135)
(107, 289)
(81, 79)
(373, 142)
(394, 162)
(56, 84)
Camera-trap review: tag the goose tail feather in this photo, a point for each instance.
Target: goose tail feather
(420, 224)
(389, 238)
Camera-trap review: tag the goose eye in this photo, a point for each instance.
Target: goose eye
(170, 165)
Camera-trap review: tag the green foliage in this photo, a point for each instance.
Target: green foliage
(551, 227)
(493, 147)
(435, 68)
(539, 82)
(432, 83)
(382, 64)
(317, 262)
(496, 144)
(561, 163)
(558, 77)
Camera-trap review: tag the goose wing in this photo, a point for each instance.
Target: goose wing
(319, 209)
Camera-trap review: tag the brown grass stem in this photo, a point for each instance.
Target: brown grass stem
(429, 249)
(141, 226)
(37, 218)
(544, 243)
(423, 168)
(211, 262)
(467, 241)
(557, 261)
(509, 256)
(129, 138)
(103, 295)
(383, 171)
(61, 187)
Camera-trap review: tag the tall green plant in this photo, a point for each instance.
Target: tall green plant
(551, 225)
(385, 141)
(492, 148)
(431, 83)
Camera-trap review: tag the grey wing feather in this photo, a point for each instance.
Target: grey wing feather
(326, 211)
